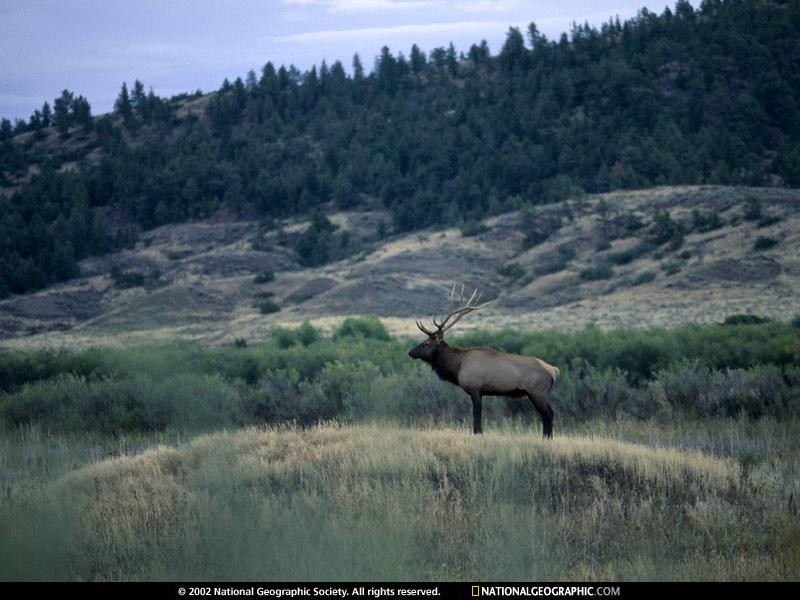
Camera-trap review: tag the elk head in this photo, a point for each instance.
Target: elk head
(426, 349)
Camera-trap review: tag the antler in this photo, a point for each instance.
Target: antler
(471, 305)
(423, 330)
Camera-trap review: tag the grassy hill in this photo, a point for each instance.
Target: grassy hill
(379, 502)
(611, 259)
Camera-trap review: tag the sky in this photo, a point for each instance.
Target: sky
(91, 46)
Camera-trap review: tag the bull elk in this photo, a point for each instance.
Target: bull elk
(486, 372)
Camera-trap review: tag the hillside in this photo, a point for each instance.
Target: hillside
(597, 259)
(686, 97)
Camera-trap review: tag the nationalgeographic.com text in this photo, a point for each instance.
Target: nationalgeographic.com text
(547, 590)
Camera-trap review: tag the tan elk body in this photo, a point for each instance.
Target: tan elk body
(486, 372)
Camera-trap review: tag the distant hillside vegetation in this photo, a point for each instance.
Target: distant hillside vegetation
(665, 256)
(685, 97)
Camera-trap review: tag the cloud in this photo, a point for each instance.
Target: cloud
(362, 5)
(355, 6)
(426, 29)
(489, 6)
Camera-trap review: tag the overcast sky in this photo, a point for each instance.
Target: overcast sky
(92, 46)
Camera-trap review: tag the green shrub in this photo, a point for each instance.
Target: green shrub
(198, 403)
(672, 267)
(693, 389)
(742, 319)
(268, 307)
(538, 226)
(472, 228)
(664, 230)
(69, 403)
(627, 256)
(552, 262)
(17, 368)
(753, 392)
(644, 277)
(601, 270)
(632, 222)
(752, 209)
(769, 220)
(546, 268)
(566, 252)
(345, 389)
(126, 279)
(284, 337)
(278, 398)
(764, 243)
(602, 245)
(705, 222)
(512, 270)
(307, 334)
(722, 370)
(584, 392)
(362, 327)
(264, 277)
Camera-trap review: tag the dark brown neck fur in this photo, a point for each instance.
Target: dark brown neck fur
(446, 362)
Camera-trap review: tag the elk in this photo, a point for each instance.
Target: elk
(486, 372)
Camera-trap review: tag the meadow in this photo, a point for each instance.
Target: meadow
(676, 456)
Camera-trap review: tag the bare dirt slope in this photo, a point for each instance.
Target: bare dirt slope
(200, 278)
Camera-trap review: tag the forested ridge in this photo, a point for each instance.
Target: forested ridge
(688, 96)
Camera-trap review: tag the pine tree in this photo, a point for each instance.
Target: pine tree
(82, 113)
(138, 98)
(250, 83)
(452, 60)
(314, 246)
(20, 126)
(62, 112)
(6, 129)
(269, 82)
(309, 90)
(386, 68)
(124, 107)
(475, 54)
(239, 93)
(100, 235)
(47, 115)
(358, 68)
(36, 120)
(513, 55)
(63, 263)
(418, 60)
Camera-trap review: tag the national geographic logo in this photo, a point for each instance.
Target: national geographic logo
(578, 591)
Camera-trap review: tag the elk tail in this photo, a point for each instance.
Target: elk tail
(555, 374)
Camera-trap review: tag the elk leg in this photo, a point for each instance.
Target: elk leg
(477, 409)
(545, 411)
